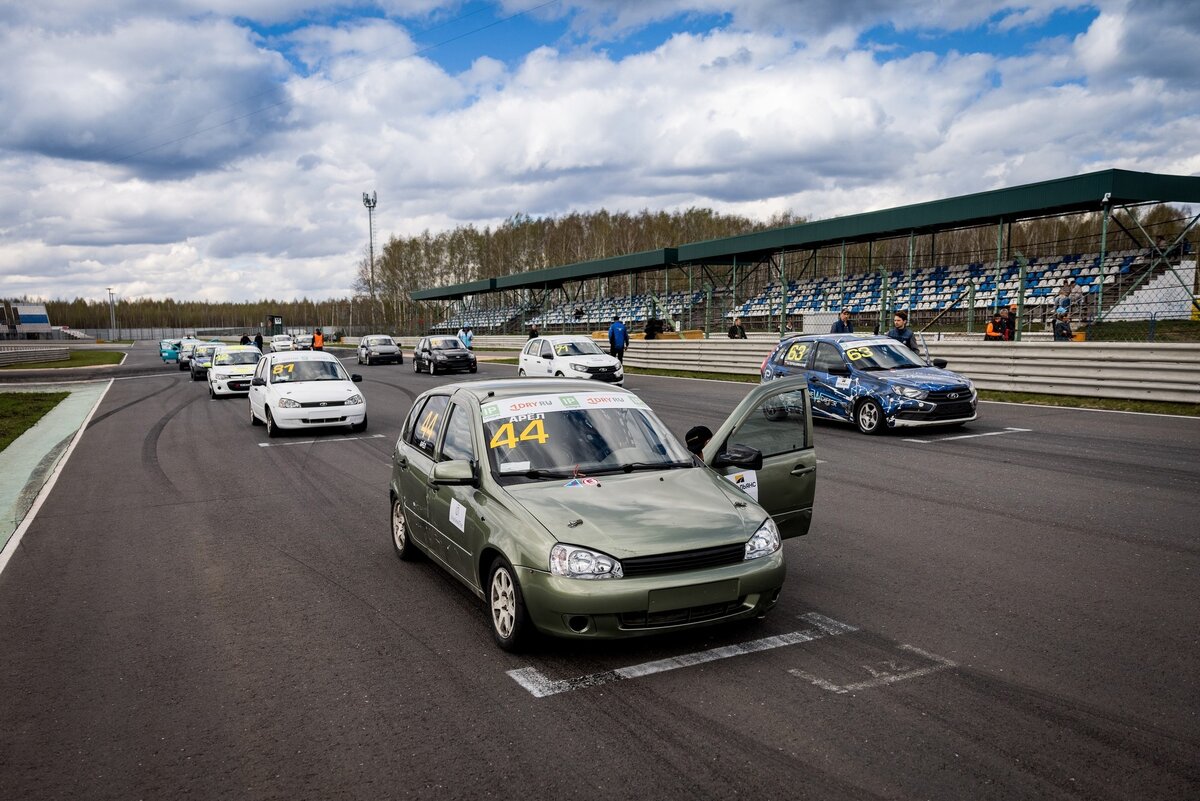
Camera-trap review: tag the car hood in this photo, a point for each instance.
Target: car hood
(929, 379)
(453, 352)
(234, 369)
(383, 348)
(309, 391)
(591, 360)
(645, 513)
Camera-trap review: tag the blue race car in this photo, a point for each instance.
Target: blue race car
(873, 381)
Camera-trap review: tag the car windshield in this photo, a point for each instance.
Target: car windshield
(379, 340)
(579, 347)
(875, 354)
(236, 357)
(206, 350)
(576, 435)
(281, 338)
(315, 370)
(445, 343)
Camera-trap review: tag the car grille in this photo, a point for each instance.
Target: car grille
(684, 560)
(943, 395)
(240, 386)
(600, 370)
(317, 404)
(323, 420)
(607, 377)
(678, 617)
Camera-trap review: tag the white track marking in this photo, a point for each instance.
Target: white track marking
(1086, 409)
(972, 436)
(314, 441)
(539, 685)
(880, 678)
(11, 546)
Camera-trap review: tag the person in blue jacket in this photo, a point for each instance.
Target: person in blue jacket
(843, 325)
(901, 332)
(618, 339)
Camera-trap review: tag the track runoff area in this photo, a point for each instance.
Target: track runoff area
(1006, 610)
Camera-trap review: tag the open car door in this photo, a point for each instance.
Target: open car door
(776, 420)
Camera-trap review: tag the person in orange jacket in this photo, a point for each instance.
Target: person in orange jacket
(318, 340)
(995, 329)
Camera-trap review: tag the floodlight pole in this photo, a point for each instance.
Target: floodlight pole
(112, 315)
(369, 201)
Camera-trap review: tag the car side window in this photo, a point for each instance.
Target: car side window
(777, 426)
(531, 347)
(423, 435)
(261, 371)
(457, 443)
(547, 350)
(828, 359)
(423, 345)
(797, 353)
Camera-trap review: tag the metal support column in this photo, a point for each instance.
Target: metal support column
(910, 276)
(1103, 256)
(784, 302)
(842, 277)
(999, 251)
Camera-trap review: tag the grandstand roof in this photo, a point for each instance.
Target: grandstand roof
(1076, 194)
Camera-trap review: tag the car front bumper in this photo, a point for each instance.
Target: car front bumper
(397, 358)
(635, 607)
(320, 416)
(239, 385)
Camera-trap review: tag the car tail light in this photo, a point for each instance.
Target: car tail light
(763, 366)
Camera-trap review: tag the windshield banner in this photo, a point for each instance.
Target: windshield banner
(568, 402)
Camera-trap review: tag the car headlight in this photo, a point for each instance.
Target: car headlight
(910, 392)
(971, 386)
(288, 403)
(354, 400)
(439, 356)
(572, 561)
(764, 542)
(222, 376)
(579, 368)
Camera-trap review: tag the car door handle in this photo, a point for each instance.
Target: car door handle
(800, 470)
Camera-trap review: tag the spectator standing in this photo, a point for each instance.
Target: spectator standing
(468, 337)
(995, 329)
(318, 340)
(245, 340)
(1006, 326)
(1062, 328)
(618, 338)
(842, 324)
(533, 331)
(258, 341)
(462, 335)
(1062, 301)
(901, 332)
(1013, 321)
(736, 331)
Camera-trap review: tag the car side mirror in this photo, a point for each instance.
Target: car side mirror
(454, 472)
(839, 370)
(356, 378)
(549, 356)
(940, 363)
(742, 456)
(258, 382)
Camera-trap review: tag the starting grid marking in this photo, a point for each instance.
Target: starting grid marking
(541, 686)
(315, 441)
(882, 673)
(972, 436)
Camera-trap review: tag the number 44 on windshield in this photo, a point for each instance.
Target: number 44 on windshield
(507, 435)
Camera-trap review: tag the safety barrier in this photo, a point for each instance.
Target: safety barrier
(25, 354)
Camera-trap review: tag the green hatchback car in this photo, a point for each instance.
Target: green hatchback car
(574, 511)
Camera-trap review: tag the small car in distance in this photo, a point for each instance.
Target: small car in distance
(302, 342)
(569, 508)
(201, 359)
(232, 366)
(569, 357)
(379, 348)
(185, 351)
(443, 354)
(874, 382)
(168, 350)
(305, 389)
(281, 343)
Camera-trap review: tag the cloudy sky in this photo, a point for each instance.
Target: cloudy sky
(220, 149)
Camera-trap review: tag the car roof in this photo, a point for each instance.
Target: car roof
(303, 356)
(568, 338)
(501, 388)
(237, 347)
(839, 338)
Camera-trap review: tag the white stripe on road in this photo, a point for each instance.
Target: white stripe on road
(941, 663)
(972, 436)
(539, 685)
(312, 441)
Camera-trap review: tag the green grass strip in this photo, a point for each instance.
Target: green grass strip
(20, 410)
(79, 358)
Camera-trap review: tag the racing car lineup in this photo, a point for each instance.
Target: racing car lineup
(564, 503)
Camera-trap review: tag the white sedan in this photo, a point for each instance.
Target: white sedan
(281, 342)
(569, 357)
(231, 368)
(305, 389)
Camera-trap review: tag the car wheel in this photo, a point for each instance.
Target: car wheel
(254, 421)
(432, 368)
(506, 607)
(559, 374)
(521, 373)
(473, 370)
(272, 429)
(358, 428)
(181, 367)
(211, 395)
(358, 356)
(369, 361)
(869, 417)
(402, 544)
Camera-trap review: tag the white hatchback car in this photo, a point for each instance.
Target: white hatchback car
(305, 389)
(231, 368)
(569, 357)
(280, 343)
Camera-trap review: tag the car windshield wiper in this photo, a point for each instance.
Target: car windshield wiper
(629, 467)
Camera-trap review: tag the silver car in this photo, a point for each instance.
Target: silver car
(379, 348)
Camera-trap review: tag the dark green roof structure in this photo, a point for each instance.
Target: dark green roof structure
(1081, 193)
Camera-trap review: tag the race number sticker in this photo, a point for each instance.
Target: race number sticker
(796, 353)
(746, 481)
(854, 354)
(458, 515)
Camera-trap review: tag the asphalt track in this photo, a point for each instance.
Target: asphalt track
(1012, 615)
